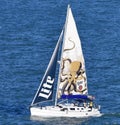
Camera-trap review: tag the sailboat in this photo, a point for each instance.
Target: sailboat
(71, 98)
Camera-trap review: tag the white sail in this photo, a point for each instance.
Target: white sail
(72, 76)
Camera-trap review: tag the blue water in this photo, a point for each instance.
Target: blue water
(29, 30)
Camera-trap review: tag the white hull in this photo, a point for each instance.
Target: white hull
(55, 111)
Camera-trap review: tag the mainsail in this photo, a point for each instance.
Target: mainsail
(73, 79)
(45, 90)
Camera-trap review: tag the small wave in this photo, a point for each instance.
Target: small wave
(111, 115)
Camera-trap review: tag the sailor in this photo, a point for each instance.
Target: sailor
(91, 105)
(84, 104)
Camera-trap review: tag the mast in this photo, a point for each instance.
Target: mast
(64, 30)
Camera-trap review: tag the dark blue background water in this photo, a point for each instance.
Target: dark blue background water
(29, 30)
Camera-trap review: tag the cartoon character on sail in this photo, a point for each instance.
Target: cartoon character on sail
(73, 79)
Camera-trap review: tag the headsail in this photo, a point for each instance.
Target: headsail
(45, 90)
(72, 73)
